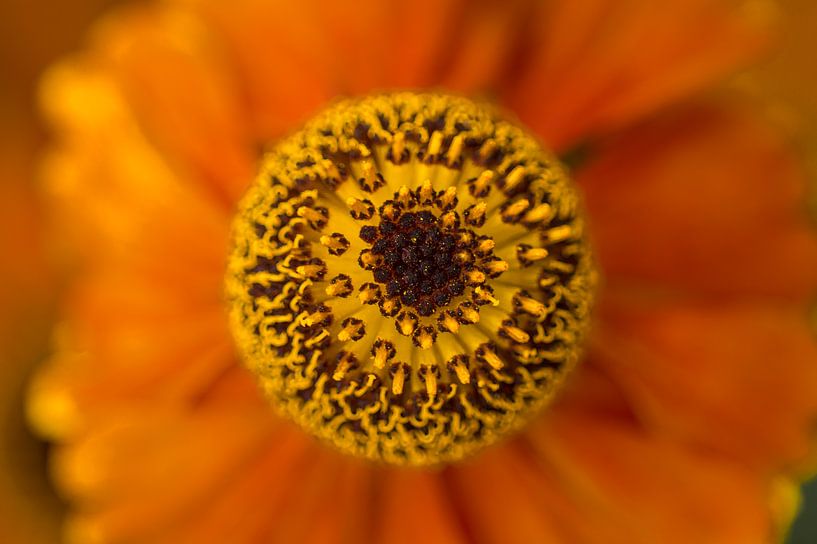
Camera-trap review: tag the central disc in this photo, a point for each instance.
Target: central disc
(419, 260)
(410, 279)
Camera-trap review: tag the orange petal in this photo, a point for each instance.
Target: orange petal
(146, 467)
(251, 502)
(500, 498)
(414, 507)
(740, 379)
(345, 513)
(294, 57)
(630, 486)
(180, 93)
(707, 199)
(596, 65)
(282, 57)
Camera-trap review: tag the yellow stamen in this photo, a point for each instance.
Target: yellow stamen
(435, 143)
(398, 380)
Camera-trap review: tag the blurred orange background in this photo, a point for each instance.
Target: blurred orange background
(35, 32)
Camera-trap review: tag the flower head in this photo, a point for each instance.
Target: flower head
(410, 277)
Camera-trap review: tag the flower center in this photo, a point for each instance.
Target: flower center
(410, 280)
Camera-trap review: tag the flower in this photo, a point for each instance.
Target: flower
(691, 410)
(463, 244)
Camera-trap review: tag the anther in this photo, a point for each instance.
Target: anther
(526, 254)
(495, 268)
(315, 270)
(434, 144)
(315, 217)
(450, 220)
(389, 307)
(513, 212)
(340, 286)
(406, 323)
(475, 277)
(429, 375)
(467, 313)
(346, 361)
(321, 316)
(371, 180)
(353, 329)
(448, 199)
(382, 352)
(398, 377)
(487, 150)
(425, 194)
(513, 332)
(398, 147)
(487, 353)
(558, 234)
(455, 150)
(336, 243)
(367, 259)
(483, 295)
(475, 214)
(529, 305)
(514, 179)
(485, 246)
(537, 214)
(446, 322)
(360, 209)
(459, 365)
(404, 197)
(424, 337)
(481, 186)
(370, 293)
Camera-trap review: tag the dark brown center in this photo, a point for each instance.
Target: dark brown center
(417, 260)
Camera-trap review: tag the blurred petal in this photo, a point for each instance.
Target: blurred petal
(706, 200)
(215, 481)
(181, 92)
(597, 65)
(294, 57)
(639, 488)
(416, 508)
(736, 378)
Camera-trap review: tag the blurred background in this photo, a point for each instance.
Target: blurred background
(35, 32)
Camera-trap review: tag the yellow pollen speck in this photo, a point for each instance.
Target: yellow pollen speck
(387, 285)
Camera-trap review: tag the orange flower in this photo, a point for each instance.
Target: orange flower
(692, 409)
